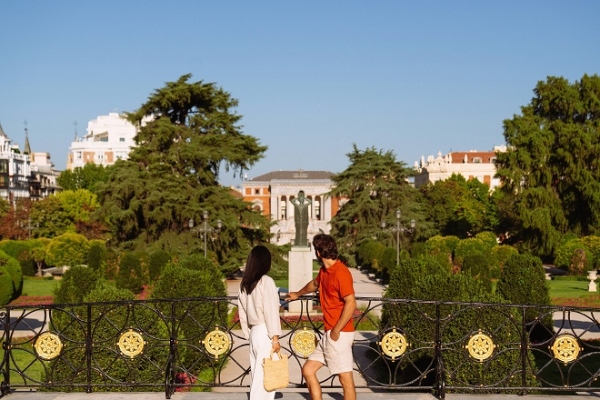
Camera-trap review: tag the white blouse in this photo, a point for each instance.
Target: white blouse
(260, 307)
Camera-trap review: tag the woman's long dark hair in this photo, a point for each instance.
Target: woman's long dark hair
(257, 265)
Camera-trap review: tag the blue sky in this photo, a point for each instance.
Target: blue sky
(311, 77)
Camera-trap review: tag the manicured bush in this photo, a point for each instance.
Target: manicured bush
(369, 253)
(21, 251)
(488, 237)
(442, 248)
(76, 284)
(523, 281)
(480, 268)
(501, 253)
(13, 269)
(190, 279)
(416, 279)
(470, 246)
(157, 260)
(130, 274)
(6, 287)
(105, 291)
(96, 254)
(593, 244)
(573, 256)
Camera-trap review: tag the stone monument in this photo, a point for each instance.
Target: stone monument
(300, 256)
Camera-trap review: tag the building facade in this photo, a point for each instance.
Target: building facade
(272, 193)
(108, 139)
(24, 175)
(471, 164)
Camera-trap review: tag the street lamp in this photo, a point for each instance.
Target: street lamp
(399, 229)
(205, 229)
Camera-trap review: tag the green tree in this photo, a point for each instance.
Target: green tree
(460, 207)
(188, 131)
(67, 249)
(62, 212)
(89, 177)
(375, 186)
(551, 166)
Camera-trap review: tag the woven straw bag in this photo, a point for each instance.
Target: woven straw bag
(277, 373)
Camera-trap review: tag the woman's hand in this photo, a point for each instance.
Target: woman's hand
(276, 346)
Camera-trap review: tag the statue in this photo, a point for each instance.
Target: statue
(301, 205)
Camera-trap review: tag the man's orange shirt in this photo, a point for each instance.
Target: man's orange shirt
(335, 283)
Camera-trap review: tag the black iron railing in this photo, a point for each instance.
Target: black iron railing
(400, 345)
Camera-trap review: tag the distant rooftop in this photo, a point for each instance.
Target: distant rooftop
(291, 175)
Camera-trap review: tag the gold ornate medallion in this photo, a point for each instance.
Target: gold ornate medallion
(566, 348)
(216, 342)
(480, 346)
(131, 343)
(48, 346)
(393, 344)
(304, 342)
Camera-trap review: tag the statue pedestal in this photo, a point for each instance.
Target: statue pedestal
(299, 274)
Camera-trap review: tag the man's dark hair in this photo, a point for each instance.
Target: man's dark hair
(325, 245)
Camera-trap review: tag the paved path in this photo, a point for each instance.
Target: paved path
(282, 395)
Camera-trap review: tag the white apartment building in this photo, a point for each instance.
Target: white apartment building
(108, 139)
(471, 164)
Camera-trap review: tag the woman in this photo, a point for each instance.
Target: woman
(259, 317)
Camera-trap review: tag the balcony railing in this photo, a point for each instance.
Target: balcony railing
(400, 345)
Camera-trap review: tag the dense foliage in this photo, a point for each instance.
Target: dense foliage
(375, 185)
(188, 131)
(550, 175)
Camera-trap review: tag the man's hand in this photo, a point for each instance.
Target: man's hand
(291, 296)
(334, 335)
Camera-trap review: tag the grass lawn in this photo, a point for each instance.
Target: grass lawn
(38, 286)
(572, 293)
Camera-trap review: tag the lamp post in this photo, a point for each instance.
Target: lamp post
(399, 229)
(205, 229)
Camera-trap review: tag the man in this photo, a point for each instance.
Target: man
(338, 303)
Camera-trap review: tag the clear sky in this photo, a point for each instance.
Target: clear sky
(312, 77)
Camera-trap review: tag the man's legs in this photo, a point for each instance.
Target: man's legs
(309, 372)
(347, 381)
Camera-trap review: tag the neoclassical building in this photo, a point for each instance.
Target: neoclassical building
(273, 194)
(470, 164)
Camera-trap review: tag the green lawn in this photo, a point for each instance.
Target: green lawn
(569, 289)
(38, 286)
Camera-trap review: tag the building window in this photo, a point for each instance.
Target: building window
(283, 208)
(477, 160)
(122, 140)
(78, 155)
(256, 191)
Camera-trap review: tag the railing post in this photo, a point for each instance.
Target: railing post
(524, 350)
(169, 375)
(5, 385)
(88, 349)
(439, 362)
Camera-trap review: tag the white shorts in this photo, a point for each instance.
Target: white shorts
(337, 355)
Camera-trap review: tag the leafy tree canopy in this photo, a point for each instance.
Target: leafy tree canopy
(187, 132)
(551, 168)
(61, 212)
(87, 177)
(375, 186)
(460, 207)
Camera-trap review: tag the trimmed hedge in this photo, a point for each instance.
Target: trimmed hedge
(422, 279)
